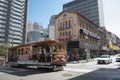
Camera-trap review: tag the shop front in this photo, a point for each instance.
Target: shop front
(73, 50)
(88, 50)
(81, 50)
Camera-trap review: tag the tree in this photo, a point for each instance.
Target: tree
(3, 49)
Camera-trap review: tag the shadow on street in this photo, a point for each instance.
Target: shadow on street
(100, 74)
(23, 71)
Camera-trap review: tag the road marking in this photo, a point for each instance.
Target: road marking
(78, 70)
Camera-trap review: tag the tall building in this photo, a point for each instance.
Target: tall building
(52, 20)
(51, 27)
(33, 36)
(13, 16)
(36, 32)
(45, 31)
(29, 28)
(37, 27)
(92, 9)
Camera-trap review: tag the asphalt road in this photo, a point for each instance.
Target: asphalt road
(73, 71)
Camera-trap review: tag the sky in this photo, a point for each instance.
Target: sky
(42, 10)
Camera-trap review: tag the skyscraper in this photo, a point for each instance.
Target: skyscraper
(92, 9)
(13, 16)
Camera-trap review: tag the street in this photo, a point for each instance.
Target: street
(73, 71)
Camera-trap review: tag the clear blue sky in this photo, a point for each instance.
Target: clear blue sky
(41, 10)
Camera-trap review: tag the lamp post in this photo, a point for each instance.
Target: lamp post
(99, 49)
(87, 49)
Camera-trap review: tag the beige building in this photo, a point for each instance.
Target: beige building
(79, 34)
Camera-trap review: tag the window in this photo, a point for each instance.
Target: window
(69, 23)
(69, 32)
(63, 33)
(60, 25)
(60, 34)
(66, 33)
(65, 24)
(64, 15)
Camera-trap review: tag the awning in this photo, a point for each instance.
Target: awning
(89, 33)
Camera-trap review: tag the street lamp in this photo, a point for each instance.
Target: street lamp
(87, 49)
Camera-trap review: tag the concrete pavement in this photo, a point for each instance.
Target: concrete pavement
(91, 65)
(73, 71)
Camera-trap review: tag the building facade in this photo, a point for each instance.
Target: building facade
(79, 33)
(37, 33)
(13, 16)
(38, 27)
(112, 42)
(51, 27)
(92, 9)
(29, 28)
(33, 36)
(109, 42)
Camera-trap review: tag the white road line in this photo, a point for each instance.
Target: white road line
(78, 70)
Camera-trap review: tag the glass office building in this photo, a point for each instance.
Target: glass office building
(92, 9)
(34, 36)
(13, 16)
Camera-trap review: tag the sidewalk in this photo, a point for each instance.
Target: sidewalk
(82, 61)
(91, 60)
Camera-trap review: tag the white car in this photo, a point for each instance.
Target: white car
(118, 58)
(104, 59)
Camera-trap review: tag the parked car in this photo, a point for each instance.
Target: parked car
(104, 59)
(118, 58)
